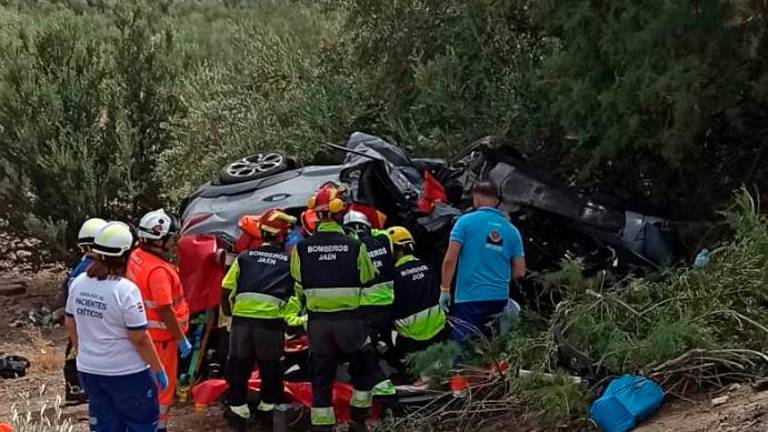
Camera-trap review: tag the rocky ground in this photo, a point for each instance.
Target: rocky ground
(28, 328)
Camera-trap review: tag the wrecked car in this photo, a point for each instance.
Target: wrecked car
(557, 221)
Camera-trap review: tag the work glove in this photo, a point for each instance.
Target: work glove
(185, 348)
(161, 379)
(445, 301)
(702, 259)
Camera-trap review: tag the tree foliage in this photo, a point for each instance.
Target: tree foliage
(111, 107)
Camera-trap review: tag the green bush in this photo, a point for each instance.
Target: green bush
(83, 119)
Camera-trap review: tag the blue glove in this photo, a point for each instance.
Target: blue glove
(445, 301)
(185, 348)
(161, 379)
(702, 259)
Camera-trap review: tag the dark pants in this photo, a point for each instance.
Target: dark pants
(259, 343)
(378, 324)
(405, 346)
(122, 403)
(331, 341)
(73, 390)
(475, 314)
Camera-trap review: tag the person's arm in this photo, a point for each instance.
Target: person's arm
(291, 312)
(160, 283)
(450, 260)
(71, 326)
(296, 272)
(135, 322)
(518, 267)
(69, 319)
(229, 288)
(365, 265)
(146, 349)
(518, 254)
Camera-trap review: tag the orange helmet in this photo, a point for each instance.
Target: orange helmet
(330, 198)
(276, 222)
(309, 220)
(250, 224)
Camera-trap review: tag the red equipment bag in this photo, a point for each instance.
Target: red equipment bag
(201, 271)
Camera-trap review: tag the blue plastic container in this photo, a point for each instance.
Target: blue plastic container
(626, 401)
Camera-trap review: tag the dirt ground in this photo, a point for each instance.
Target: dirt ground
(745, 411)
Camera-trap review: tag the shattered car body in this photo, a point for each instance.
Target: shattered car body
(557, 221)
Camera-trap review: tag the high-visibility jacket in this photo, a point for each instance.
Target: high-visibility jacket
(143, 267)
(379, 291)
(330, 269)
(261, 286)
(416, 311)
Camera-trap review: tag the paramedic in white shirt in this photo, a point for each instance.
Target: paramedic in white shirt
(117, 363)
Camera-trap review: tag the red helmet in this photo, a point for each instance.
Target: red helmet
(250, 225)
(276, 222)
(330, 198)
(309, 220)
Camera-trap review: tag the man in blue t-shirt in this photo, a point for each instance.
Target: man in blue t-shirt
(488, 251)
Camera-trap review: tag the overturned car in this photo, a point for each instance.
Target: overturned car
(425, 195)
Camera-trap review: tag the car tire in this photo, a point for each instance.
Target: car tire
(255, 166)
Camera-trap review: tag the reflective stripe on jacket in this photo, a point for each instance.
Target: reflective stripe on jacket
(261, 286)
(380, 291)
(142, 264)
(330, 269)
(416, 311)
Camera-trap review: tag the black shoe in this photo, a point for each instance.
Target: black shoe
(75, 398)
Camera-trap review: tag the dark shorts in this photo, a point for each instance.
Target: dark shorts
(471, 317)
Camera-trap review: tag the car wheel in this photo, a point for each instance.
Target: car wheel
(253, 167)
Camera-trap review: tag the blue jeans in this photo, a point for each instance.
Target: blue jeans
(477, 314)
(125, 403)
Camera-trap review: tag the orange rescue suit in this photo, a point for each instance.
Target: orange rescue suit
(160, 286)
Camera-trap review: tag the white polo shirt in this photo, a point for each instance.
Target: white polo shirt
(104, 312)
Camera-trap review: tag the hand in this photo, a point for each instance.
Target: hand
(161, 379)
(185, 348)
(445, 301)
(702, 259)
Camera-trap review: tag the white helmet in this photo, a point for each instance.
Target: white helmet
(88, 231)
(356, 217)
(156, 225)
(114, 239)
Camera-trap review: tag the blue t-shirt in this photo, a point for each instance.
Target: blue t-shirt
(80, 268)
(489, 243)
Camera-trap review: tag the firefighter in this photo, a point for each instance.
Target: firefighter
(167, 310)
(418, 319)
(262, 302)
(330, 269)
(377, 296)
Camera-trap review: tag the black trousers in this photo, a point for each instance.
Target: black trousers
(405, 346)
(255, 342)
(73, 390)
(378, 323)
(332, 340)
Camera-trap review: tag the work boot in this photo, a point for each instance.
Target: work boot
(237, 417)
(384, 389)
